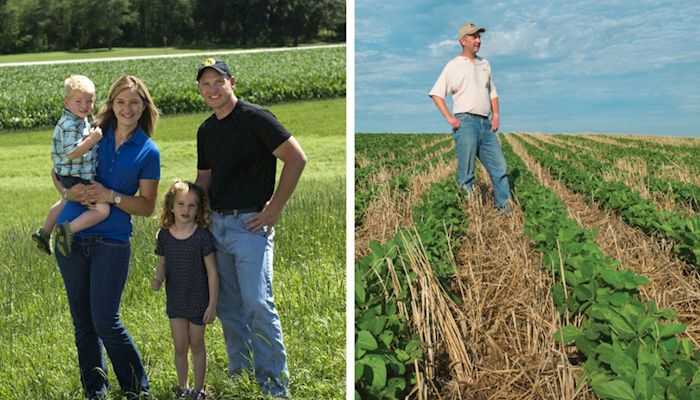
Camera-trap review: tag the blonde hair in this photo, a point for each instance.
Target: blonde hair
(149, 118)
(78, 83)
(167, 218)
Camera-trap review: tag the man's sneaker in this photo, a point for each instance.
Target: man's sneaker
(137, 396)
(43, 240)
(505, 210)
(467, 191)
(63, 238)
(274, 390)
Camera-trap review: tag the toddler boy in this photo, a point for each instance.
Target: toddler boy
(74, 155)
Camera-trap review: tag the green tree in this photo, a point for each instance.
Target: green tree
(58, 24)
(156, 19)
(118, 14)
(25, 32)
(39, 25)
(8, 23)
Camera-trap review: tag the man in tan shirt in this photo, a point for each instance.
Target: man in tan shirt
(469, 80)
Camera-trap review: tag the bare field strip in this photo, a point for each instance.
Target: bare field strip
(509, 318)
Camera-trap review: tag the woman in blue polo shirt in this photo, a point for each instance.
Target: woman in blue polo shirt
(95, 272)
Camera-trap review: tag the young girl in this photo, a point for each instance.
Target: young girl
(187, 264)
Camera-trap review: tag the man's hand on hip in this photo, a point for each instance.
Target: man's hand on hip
(495, 121)
(267, 218)
(455, 122)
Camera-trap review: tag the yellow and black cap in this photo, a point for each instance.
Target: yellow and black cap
(216, 64)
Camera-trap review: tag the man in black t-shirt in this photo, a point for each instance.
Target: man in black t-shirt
(237, 151)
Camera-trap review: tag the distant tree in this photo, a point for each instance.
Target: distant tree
(156, 19)
(296, 19)
(116, 14)
(278, 15)
(58, 24)
(209, 16)
(333, 21)
(180, 24)
(24, 24)
(254, 27)
(9, 29)
(41, 25)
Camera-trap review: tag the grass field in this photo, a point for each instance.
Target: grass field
(37, 355)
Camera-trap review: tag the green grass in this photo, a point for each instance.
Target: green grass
(106, 53)
(37, 354)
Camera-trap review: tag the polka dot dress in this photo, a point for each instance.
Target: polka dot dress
(186, 284)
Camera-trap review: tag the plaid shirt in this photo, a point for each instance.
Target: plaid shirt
(68, 133)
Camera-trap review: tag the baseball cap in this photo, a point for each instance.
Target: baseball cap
(214, 63)
(468, 29)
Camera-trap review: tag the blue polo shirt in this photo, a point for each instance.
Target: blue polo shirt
(137, 158)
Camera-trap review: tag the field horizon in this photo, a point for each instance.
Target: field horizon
(545, 133)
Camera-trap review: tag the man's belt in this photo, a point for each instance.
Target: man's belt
(473, 115)
(236, 211)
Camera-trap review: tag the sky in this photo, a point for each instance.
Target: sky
(629, 66)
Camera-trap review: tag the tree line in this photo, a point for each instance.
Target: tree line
(59, 25)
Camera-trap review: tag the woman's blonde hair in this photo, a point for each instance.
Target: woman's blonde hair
(167, 218)
(149, 118)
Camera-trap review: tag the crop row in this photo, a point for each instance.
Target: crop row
(629, 348)
(396, 158)
(385, 349)
(607, 156)
(31, 96)
(400, 183)
(656, 156)
(379, 147)
(655, 147)
(616, 196)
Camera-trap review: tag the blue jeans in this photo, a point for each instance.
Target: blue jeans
(474, 139)
(94, 276)
(246, 306)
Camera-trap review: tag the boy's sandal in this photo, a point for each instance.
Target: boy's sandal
(64, 239)
(43, 241)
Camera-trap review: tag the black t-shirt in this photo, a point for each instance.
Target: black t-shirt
(238, 150)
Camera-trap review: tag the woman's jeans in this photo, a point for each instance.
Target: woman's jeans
(246, 306)
(474, 139)
(94, 276)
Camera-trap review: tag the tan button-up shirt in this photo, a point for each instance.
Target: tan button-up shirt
(470, 84)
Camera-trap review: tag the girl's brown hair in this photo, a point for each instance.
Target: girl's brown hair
(167, 218)
(149, 118)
